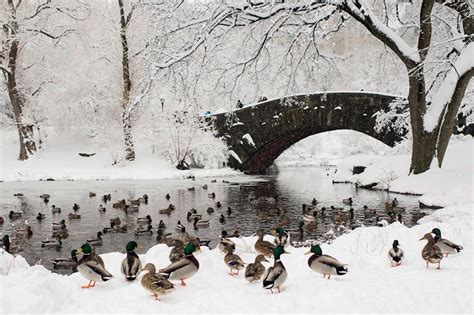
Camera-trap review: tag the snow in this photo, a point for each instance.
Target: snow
(235, 156)
(60, 161)
(450, 185)
(444, 94)
(249, 139)
(371, 286)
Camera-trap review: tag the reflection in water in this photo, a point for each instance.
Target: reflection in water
(254, 201)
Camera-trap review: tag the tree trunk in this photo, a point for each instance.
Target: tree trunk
(25, 132)
(127, 85)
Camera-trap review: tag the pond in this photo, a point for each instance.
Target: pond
(255, 201)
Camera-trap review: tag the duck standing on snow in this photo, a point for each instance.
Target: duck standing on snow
(233, 261)
(262, 247)
(184, 268)
(225, 241)
(155, 283)
(89, 267)
(131, 265)
(431, 253)
(276, 275)
(255, 270)
(395, 254)
(325, 264)
(447, 247)
(282, 238)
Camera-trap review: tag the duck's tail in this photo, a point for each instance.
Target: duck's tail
(342, 270)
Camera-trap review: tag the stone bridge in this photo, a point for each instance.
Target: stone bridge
(257, 134)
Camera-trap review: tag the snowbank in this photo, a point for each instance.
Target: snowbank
(450, 185)
(370, 286)
(61, 161)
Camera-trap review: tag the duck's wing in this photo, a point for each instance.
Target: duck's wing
(251, 270)
(98, 268)
(182, 263)
(449, 244)
(271, 275)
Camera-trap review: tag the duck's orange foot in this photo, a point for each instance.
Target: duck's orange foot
(88, 285)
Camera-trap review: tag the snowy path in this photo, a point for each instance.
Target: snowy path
(370, 286)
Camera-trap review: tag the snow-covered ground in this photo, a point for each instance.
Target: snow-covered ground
(371, 286)
(60, 161)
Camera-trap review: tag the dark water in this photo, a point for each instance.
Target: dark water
(292, 187)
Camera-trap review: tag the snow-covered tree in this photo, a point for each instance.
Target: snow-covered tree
(431, 38)
(27, 28)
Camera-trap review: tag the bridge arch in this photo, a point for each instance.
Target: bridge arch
(256, 135)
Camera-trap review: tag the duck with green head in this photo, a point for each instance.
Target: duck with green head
(447, 247)
(131, 265)
(184, 268)
(282, 237)
(89, 267)
(276, 275)
(154, 282)
(325, 264)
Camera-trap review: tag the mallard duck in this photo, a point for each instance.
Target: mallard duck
(102, 208)
(177, 252)
(73, 216)
(347, 201)
(218, 204)
(233, 261)
(212, 195)
(224, 242)
(56, 243)
(161, 225)
(63, 263)
(165, 211)
(131, 265)
(119, 228)
(431, 253)
(282, 237)
(40, 216)
(368, 212)
(132, 209)
(314, 202)
(167, 196)
(255, 270)
(222, 219)
(229, 211)
(145, 220)
(200, 223)
(59, 225)
(24, 232)
(325, 264)
(395, 254)
(55, 209)
(6, 244)
(394, 202)
(155, 283)
(89, 267)
(204, 187)
(184, 268)
(75, 207)
(15, 215)
(92, 194)
(236, 232)
(210, 210)
(276, 275)
(147, 231)
(336, 208)
(447, 247)
(180, 227)
(135, 202)
(192, 215)
(262, 247)
(120, 204)
(96, 241)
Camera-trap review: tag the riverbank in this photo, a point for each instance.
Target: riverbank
(450, 185)
(61, 161)
(370, 286)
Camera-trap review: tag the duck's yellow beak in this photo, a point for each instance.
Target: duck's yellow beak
(307, 253)
(285, 252)
(79, 251)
